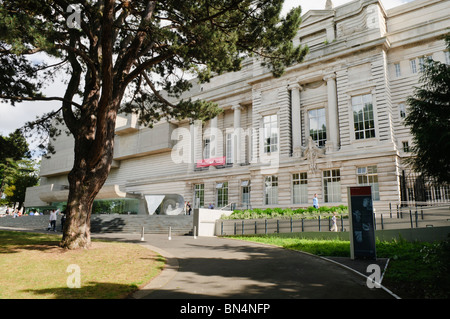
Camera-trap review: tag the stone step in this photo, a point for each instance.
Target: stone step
(153, 224)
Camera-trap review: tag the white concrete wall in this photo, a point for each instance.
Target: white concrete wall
(205, 220)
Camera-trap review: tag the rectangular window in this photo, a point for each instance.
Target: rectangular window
(206, 148)
(446, 192)
(245, 193)
(318, 126)
(402, 109)
(405, 146)
(421, 63)
(271, 190)
(364, 122)
(398, 72)
(199, 195)
(447, 57)
(300, 188)
(369, 176)
(413, 66)
(332, 186)
(437, 193)
(222, 194)
(270, 127)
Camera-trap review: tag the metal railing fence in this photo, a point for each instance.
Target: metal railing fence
(399, 218)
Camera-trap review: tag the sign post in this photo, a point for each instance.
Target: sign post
(362, 230)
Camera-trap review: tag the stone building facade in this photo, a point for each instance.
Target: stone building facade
(333, 121)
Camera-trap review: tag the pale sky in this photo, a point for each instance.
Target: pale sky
(14, 117)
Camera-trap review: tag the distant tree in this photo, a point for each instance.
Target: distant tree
(429, 121)
(131, 56)
(25, 174)
(13, 148)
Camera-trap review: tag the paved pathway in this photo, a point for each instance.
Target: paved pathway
(225, 268)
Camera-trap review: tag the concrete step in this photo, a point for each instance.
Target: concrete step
(153, 224)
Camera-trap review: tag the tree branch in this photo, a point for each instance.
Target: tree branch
(125, 61)
(90, 63)
(44, 119)
(71, 90)
(155, 91)
(145, 65)
(39, 98)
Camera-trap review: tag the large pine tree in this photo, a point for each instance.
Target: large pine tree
(429, 121)
(137, 47)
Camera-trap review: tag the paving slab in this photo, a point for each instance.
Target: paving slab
(214, 267)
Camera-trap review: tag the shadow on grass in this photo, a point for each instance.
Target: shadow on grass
(90, 290)
(14, 242)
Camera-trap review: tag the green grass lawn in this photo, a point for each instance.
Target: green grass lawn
(416, 269)
(33, 266)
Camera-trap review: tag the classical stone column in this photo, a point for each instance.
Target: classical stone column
(237, 134)
(296, 128)
(332, 143)
(213, 138)
(196, 142)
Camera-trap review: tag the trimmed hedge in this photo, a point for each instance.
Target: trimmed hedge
(268, 213)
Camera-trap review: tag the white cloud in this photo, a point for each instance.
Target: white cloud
(13, 117)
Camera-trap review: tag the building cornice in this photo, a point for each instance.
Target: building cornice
(379, 42)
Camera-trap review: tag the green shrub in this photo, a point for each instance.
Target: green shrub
(258, 211)
(300, 211)
(277, 212)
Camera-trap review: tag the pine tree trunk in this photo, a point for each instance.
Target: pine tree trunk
(83, 188)
(92, 164)
(77, 230)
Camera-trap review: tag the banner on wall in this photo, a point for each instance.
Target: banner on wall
(216, 161)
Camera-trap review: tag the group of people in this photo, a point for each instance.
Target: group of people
(15, 212)
(36, 213)
(54, 217)
(18, 213)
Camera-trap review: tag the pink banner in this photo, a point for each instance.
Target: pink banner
(211, 162)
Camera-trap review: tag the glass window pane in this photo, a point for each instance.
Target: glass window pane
(332, 186)
(363, 116)
(317, 126)
(270, 129)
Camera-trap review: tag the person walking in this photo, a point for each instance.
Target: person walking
(188, 208)
(315, 202)
(333, 223)
(52, 220)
